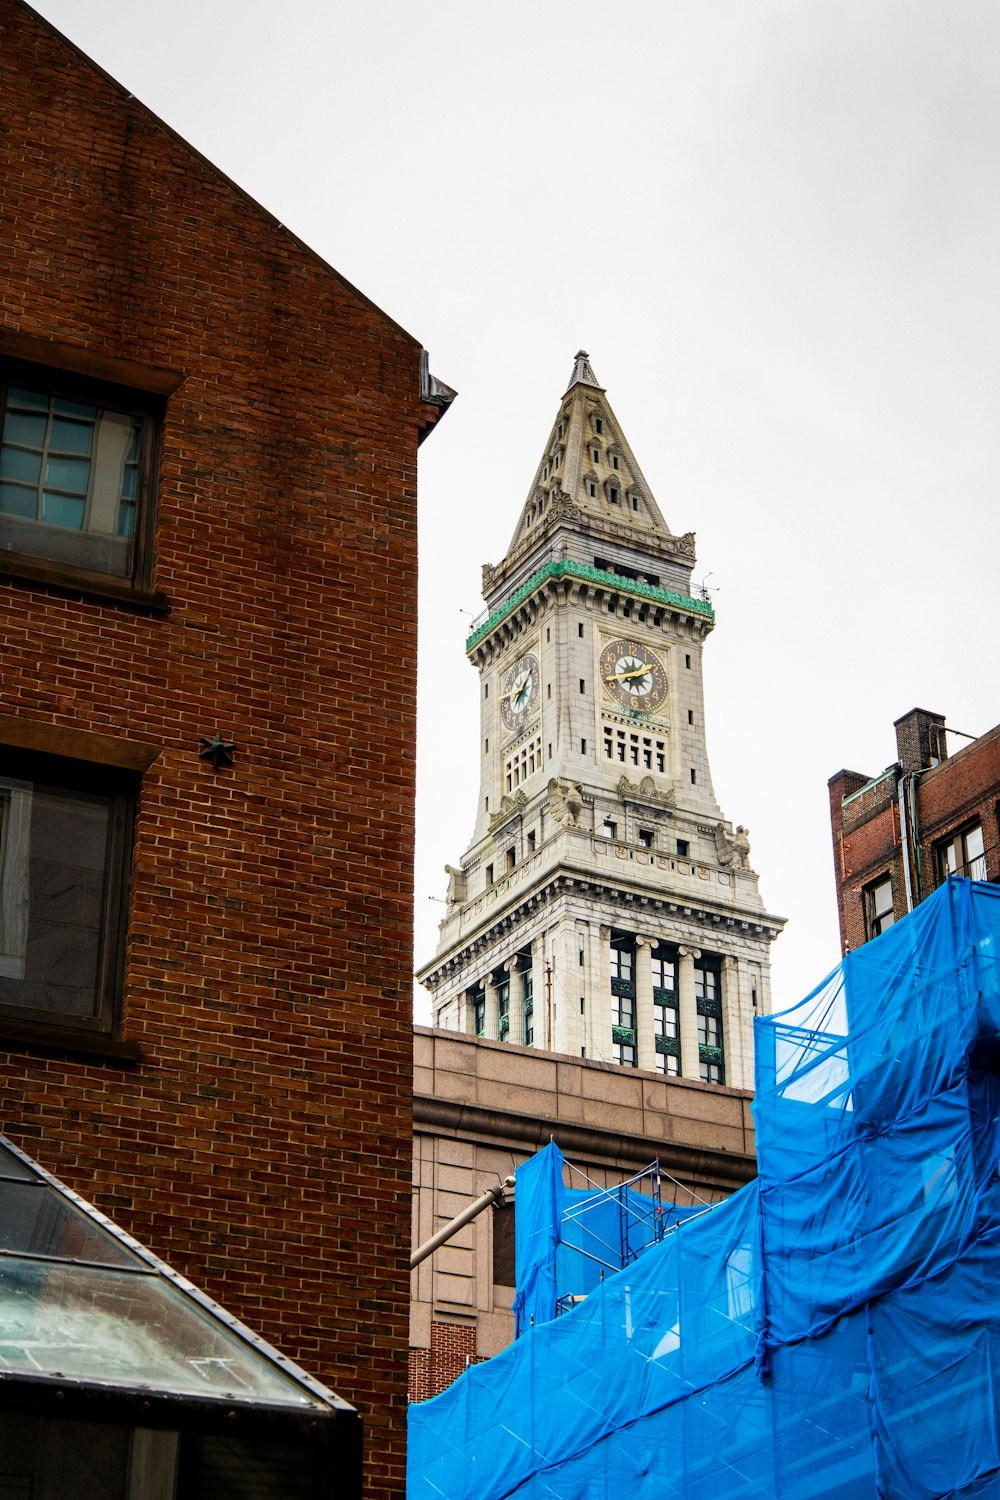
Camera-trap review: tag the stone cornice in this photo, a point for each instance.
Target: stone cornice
(727, 1169)
(759, 925)
(566, 568)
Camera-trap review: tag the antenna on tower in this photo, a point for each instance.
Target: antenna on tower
(704, 590)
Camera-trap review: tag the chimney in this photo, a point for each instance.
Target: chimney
(920, 740)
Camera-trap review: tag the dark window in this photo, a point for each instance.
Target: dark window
(964, 853)
(503, 1244)
(687, 661)
(683, 848)
(489, 874)
(478, 998)
(878, 907)
(532, 840)
(528, 1000)
(65, 850)
(623, 997)
(579, 631)
(690, 716)
(503, 1009)
(666, 1026)
(708, 1002)
(76, 473)
(646, 838)
(510, 858)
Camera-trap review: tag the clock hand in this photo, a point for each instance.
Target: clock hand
(633, 672)
(519, 684)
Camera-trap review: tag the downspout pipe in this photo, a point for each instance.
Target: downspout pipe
(485, 1200)
(904, 828)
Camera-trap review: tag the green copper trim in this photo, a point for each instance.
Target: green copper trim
(563, 568)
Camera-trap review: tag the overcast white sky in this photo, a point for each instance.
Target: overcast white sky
(775, 225)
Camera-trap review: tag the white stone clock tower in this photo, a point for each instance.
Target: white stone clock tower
(605, 909)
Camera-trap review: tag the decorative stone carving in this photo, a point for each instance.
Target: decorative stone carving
(646, 791)
(456, 885)
(733, 849)
(565, 801)
(509, 808)
(490, 574)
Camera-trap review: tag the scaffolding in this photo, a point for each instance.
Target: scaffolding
(831, 1329)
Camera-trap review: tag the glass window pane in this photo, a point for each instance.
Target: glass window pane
(974, 842)
(25, 428)
(20, 463)
(73, 408)
(71, 474)
(63, 510)
(37, 1221)
(71, 437)
(65, 857)
(18, 396)
(16, 500)
(126, 519)
(116, 1327)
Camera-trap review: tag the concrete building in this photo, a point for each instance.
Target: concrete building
(480, 1109)
(605, 946)
(605, 909)
(932, 813)
(207, 517)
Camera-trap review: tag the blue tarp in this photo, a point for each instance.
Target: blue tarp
(832, 1329)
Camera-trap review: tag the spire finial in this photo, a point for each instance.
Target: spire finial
(582, 371)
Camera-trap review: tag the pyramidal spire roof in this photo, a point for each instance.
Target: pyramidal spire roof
(588, 471)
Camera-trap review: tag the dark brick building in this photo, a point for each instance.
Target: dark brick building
(207, 533)
(898, 835)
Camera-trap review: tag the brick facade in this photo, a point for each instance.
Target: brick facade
(939, 795)
(268, 939)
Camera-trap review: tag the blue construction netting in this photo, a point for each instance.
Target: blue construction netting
(830, 1330)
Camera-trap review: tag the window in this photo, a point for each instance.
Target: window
(76, 467)
(523, 764)
(683, 848)
(666, 1026)
(503, 1245)
(646, 837)
(531, 841)
(579, 631)
(478, 999)
(503, 1009)
(963, 854)
(708, 1002)
(583, 747)
(65, 847)
(528, 1000)
(598, 425)
(687, 662)
(510, 858)
(690, 715)
(623, 1039)
(610, 828)
(878, 907)
(489, 874)
(694, 776)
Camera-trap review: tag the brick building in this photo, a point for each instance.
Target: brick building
(930, 814)
(207, 540)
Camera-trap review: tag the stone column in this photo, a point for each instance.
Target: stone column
(516, 1033)
(465, 1021)
(688, 1012)
(599, 995)
(644, 1029)
(492, 1015)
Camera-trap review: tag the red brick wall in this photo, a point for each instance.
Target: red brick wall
(866, 830)
(453, 1348)
(261, 1142)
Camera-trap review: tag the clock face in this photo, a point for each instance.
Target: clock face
(519, 690)
(634, 676)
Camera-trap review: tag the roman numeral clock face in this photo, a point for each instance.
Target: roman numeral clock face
(519, 690)
(634, 676)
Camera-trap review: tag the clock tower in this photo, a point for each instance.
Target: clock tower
(605, 908)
